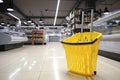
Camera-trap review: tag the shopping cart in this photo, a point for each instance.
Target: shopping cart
(81, 52)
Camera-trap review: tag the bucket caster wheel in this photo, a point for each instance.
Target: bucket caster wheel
(95, 72)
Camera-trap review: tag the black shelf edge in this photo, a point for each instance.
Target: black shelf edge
(10, 46)
(110, 55)
(30, 43)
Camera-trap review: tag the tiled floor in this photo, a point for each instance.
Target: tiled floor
(47, 62)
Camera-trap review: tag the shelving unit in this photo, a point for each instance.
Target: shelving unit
(28, 32)
(37, 35)
(76, 20)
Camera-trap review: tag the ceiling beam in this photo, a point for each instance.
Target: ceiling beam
(48, 17)
(19, 11)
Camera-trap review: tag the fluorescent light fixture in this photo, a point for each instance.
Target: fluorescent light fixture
(1, 1)
(57, 8)
(106, 11)
(10, 9)
(14, 16)
(24, 22)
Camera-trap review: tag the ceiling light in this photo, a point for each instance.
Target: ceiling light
(32, 23)
(10, 6)
(29, 20)
(106, 11)
(57, 8)
(2, 22)
(1, 1)
(8, 24)
(10, 9)
(41, 21)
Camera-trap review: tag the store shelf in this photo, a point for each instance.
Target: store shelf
(76, 20)
(37, 35)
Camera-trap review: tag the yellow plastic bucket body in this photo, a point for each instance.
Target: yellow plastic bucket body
(82, 58)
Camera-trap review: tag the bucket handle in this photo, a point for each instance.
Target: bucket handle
(80, 43)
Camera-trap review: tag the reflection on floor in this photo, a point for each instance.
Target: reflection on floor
(47, 62)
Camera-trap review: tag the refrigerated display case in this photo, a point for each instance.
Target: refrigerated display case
(11, 38)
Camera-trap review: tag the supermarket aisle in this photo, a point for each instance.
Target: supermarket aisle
(47, 62)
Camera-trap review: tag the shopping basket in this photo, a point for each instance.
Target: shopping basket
(81, 52)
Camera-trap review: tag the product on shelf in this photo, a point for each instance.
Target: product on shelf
(37, 35)
(76, 20)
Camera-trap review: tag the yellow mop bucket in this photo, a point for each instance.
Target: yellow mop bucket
(81, 52)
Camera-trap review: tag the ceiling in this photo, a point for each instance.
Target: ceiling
(45, 9)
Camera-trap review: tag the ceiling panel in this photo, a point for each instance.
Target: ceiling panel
(33, 7)
(110, 4)
(44, 8)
